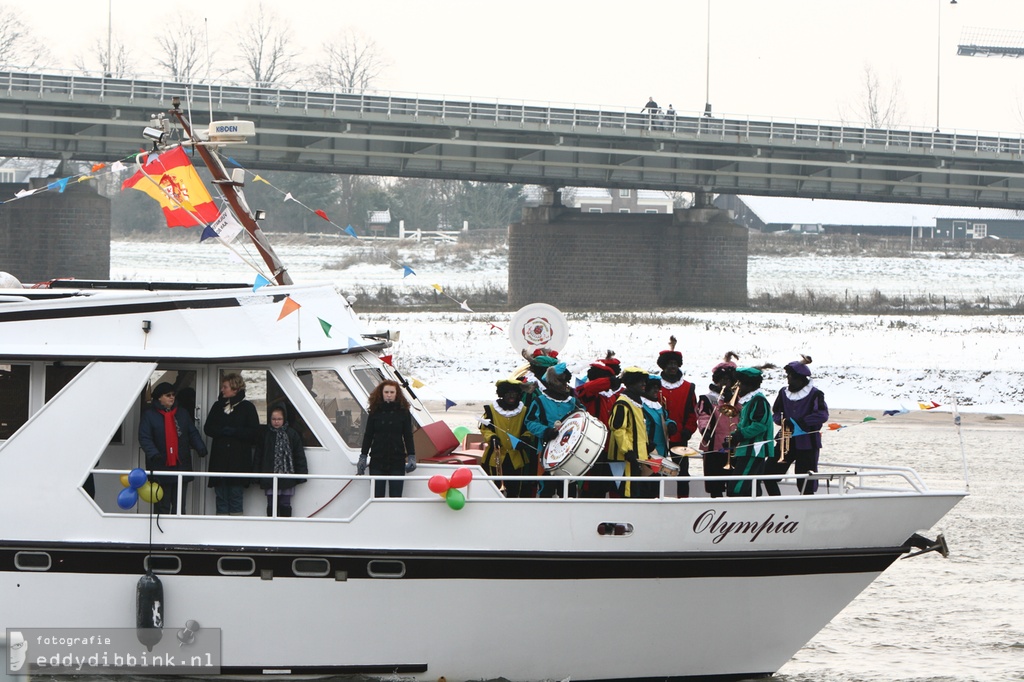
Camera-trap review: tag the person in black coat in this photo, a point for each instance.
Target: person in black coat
(233, 425)
(280, 451)
(387, 440)
(168, 436)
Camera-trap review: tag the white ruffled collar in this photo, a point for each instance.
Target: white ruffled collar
(750, 396)
(669, 385)
(653, 404)
(802, 393)
(506, 413)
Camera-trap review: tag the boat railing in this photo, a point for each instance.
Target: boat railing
(834, 479)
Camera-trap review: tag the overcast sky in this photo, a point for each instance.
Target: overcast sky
(785, 59)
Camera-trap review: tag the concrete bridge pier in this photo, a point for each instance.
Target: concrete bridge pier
(692, 258)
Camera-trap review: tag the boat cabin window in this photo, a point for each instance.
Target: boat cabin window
(368, 378)
(14, 395)
(342, 408)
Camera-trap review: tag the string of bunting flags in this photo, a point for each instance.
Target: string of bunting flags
(170, 178)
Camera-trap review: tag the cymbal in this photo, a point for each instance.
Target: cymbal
(683, 451)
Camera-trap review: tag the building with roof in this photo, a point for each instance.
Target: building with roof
(833, 216)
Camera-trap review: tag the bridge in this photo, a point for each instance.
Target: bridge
(99, 119)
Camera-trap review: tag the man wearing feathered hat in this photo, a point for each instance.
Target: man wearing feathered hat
(551, 402)
(510, 450)
(717, 418)
(801, 410)
(679, 397)
(627, 440)
(753, 437)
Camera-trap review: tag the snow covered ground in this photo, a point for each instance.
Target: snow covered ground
(861, 362)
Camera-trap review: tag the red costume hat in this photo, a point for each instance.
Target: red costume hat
(670, 354)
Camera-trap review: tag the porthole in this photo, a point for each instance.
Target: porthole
(32, 561)
(311, 567)
(615, 529)
(385, 568)
(162, 563)
(236, 565)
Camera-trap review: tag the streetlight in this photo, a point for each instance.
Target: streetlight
(938, 62)
(707, 67)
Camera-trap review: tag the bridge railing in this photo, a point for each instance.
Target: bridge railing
(556, 118)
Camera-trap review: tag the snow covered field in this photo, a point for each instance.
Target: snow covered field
(861, 362)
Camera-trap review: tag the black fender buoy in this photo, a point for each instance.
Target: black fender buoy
(149, 610)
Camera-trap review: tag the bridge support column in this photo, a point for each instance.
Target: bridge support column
(693, 258)
(55, 234)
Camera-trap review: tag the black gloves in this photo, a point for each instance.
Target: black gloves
(549, 434)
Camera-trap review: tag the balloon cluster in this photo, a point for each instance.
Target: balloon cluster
(448, 488)
(136, 485)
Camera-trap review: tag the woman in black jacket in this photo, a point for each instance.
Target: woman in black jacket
(387, 440)
(280, 452)
(233, 425)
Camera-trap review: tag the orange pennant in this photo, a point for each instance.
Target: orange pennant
(289, 307)
(97, 166)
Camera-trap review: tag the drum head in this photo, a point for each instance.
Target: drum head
(538, 325)
(564, 444)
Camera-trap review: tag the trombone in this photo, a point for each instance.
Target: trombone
(729, 408)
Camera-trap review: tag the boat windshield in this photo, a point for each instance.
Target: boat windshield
(341, 408)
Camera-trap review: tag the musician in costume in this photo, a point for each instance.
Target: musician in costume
(753, 437)
(503, 421)
(602, 386)
(717, 417)
(551, 402)
(801, 410)
(680, 400)
(627, 443)
(659, 426)
(598, 394)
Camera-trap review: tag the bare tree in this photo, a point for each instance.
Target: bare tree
(351, 63)
(18, 47)
(265, 47)
(182, 51)
(879, 106)
(121, 60)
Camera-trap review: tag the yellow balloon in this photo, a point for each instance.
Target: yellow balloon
(151, 492)
(124, 480)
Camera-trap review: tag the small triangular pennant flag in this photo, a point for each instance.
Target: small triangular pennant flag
(233, 162)
(352, 343)
(326, 326)
(406, 271)
(323, 214)
(261, 281)
(416, 383)
(448, 404)
(351, 232)
(438, 287)
(117, 166)
(99, 166)
(288, 196)
(387, 359)
(466, 307)
(797, 431)
(288, 307)
(208, 233)
(515, 441)
(259, 178)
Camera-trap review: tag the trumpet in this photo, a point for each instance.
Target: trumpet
(730, 448)
(784, 439)
(729, 408)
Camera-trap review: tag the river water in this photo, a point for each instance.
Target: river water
(927, 618)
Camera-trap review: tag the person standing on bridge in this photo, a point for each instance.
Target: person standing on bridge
(651, 109)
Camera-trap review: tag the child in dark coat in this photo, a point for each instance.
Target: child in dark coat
(280, 452)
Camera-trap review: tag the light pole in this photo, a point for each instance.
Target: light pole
(109, 71)
(938, 62)
(707, 68)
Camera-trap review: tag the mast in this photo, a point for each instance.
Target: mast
(233, 193)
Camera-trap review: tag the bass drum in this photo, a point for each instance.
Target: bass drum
(574, 450)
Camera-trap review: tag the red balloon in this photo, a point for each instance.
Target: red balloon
(461, 477)
(438, 484)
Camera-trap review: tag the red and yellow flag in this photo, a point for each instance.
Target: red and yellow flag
(172, 180)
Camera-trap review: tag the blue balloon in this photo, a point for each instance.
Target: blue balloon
(136, 477)
(128, 497)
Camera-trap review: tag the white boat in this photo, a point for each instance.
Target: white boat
(521, 589)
